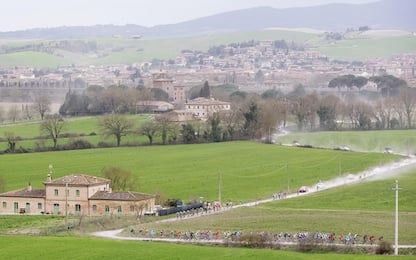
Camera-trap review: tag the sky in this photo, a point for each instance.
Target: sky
(27, 14)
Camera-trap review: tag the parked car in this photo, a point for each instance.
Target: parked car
(388, 150)
(303, 189)
(295, 143)
(344, 148)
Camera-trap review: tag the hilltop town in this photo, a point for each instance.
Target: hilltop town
(253, 66)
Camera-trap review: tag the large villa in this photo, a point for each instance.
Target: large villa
(76, 194)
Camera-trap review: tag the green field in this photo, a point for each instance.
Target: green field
(401, 141)
(127, 51)
(248, 170)
(90, 248)
(362, 49)
(364, 208)
(79, 128)
(32, 59)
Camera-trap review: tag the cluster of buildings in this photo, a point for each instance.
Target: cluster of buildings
(237, 64)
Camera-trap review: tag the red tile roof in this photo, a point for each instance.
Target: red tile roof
(34, 193)
(79, 179)
(123, 195)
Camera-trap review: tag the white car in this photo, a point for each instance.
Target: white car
(319, 185)
(344, 148)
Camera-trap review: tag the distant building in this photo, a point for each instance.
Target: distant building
(203, 108)
(151, 106)
(82, 195)
(162, 81)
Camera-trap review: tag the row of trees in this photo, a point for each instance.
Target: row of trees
(259, 116)
(97, 100)
(388, 85)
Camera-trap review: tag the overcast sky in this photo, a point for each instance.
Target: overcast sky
(24, 14)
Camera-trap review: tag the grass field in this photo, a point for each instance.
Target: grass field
(79, 127)
(91, 248)
(365, 208)
(248, 170)
(362, 49)
(402, 141)
(127, 51)
(32, 59)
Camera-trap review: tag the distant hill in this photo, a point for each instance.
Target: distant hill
(384, 14)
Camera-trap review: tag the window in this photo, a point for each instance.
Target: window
(77, 193)
(77, 208)
(4, 204)
(119, 210)
(107, 210)
(39, 205)
(94, 208)
(131, 208)
(56, 192)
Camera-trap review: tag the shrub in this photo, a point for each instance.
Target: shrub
(93, 133)
(104, 145)
(68, 135)
(78, 144)
(255, 240)
(384, 248)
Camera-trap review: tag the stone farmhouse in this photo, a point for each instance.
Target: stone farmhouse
(76, 194)
(203, 108)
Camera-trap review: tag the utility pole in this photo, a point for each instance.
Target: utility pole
(66, 204)
(219, 187)
(287, 176)
(396, 222)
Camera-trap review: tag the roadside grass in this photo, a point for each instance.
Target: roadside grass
(402, 141)
(19, 247)
(364, 208)
(248, 170)
(18, 221)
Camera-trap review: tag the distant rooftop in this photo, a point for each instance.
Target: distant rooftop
(124, 195)
(79, 179)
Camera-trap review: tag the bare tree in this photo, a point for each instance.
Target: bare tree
(149, 129)
(42, 105)
(121, 180)
(360, 114)
(269, 118)
(13, 113)
(113, 99)
(116, 125)
(164, 126)
(12, 140)
(408, 101)
(233, 121)
(304, 110)
(52, 127)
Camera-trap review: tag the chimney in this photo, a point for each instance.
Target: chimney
(29, 187)
(49, 178)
